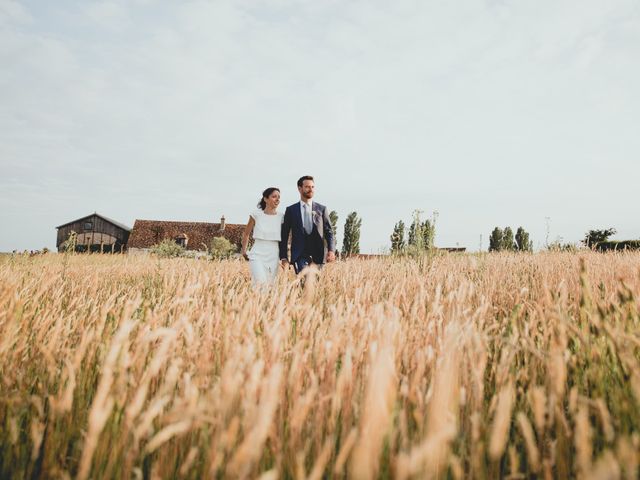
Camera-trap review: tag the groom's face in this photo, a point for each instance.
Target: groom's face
(307, 189)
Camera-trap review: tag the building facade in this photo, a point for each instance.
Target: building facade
(190, 235)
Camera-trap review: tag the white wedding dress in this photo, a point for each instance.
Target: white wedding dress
(265, 253)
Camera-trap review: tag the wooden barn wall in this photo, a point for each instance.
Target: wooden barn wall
(99, 226)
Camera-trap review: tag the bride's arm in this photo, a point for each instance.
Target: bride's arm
(245, 236)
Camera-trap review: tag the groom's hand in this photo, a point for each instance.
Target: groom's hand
(331, 256)
(284, 263)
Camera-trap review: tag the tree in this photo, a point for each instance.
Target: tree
(333, 218)
(413, 234)
(508, 242)
(416, 237)
(593, 237)
(397, 238)
(523, 244)
(495, 240)
(428, 234)
(351, 241)
(221, 248)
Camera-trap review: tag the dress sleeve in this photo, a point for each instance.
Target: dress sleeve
(254, 214)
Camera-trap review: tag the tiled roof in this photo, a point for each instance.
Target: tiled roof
(113, 222)
(147, 233)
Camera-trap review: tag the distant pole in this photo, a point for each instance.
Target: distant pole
(480, 243)
(435, 217)
(548, 223)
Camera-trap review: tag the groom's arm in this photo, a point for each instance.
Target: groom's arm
(284, 235)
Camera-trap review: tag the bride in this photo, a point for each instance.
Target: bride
(266, 223)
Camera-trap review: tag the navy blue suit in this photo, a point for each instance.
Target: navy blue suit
(306, 249)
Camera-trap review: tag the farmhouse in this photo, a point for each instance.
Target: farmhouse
(191, 235)
(94, 233)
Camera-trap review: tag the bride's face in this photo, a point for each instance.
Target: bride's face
(273, 200)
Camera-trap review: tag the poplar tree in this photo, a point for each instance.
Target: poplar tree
(523, 244)
(495, 240)
(428, 234)
(333, 218)
(351, 241)
(508, 243)
(397, 238)
(416, 234)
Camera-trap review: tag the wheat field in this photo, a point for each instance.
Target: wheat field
(451, 366)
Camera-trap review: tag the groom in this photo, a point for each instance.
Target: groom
(310, 228)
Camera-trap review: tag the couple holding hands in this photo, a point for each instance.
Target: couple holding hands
(307, 222)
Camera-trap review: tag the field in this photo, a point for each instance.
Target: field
(453, 366)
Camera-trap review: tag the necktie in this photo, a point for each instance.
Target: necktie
(308, 226)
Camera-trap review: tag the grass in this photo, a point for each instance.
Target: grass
(453, 366)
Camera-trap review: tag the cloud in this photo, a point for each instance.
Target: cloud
(108, 15)
(11, 12)
(188, 108)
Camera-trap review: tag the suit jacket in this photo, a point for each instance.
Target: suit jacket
(321, 233)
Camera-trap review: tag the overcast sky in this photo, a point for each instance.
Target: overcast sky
(490, 112)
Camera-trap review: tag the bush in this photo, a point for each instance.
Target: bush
(168, 249)
(221, 248)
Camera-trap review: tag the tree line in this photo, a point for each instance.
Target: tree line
(420, 236)
(595, 239)
(504, 240)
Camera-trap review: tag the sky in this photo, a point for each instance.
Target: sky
(488, 112)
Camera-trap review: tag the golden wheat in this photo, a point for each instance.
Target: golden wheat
(463, 366)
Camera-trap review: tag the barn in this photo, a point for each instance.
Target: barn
(94, 233)
(190, 235)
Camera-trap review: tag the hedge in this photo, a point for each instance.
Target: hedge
(618, 245)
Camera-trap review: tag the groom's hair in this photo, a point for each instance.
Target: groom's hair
(302, 179)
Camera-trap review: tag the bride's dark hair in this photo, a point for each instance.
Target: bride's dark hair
(266, 194)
